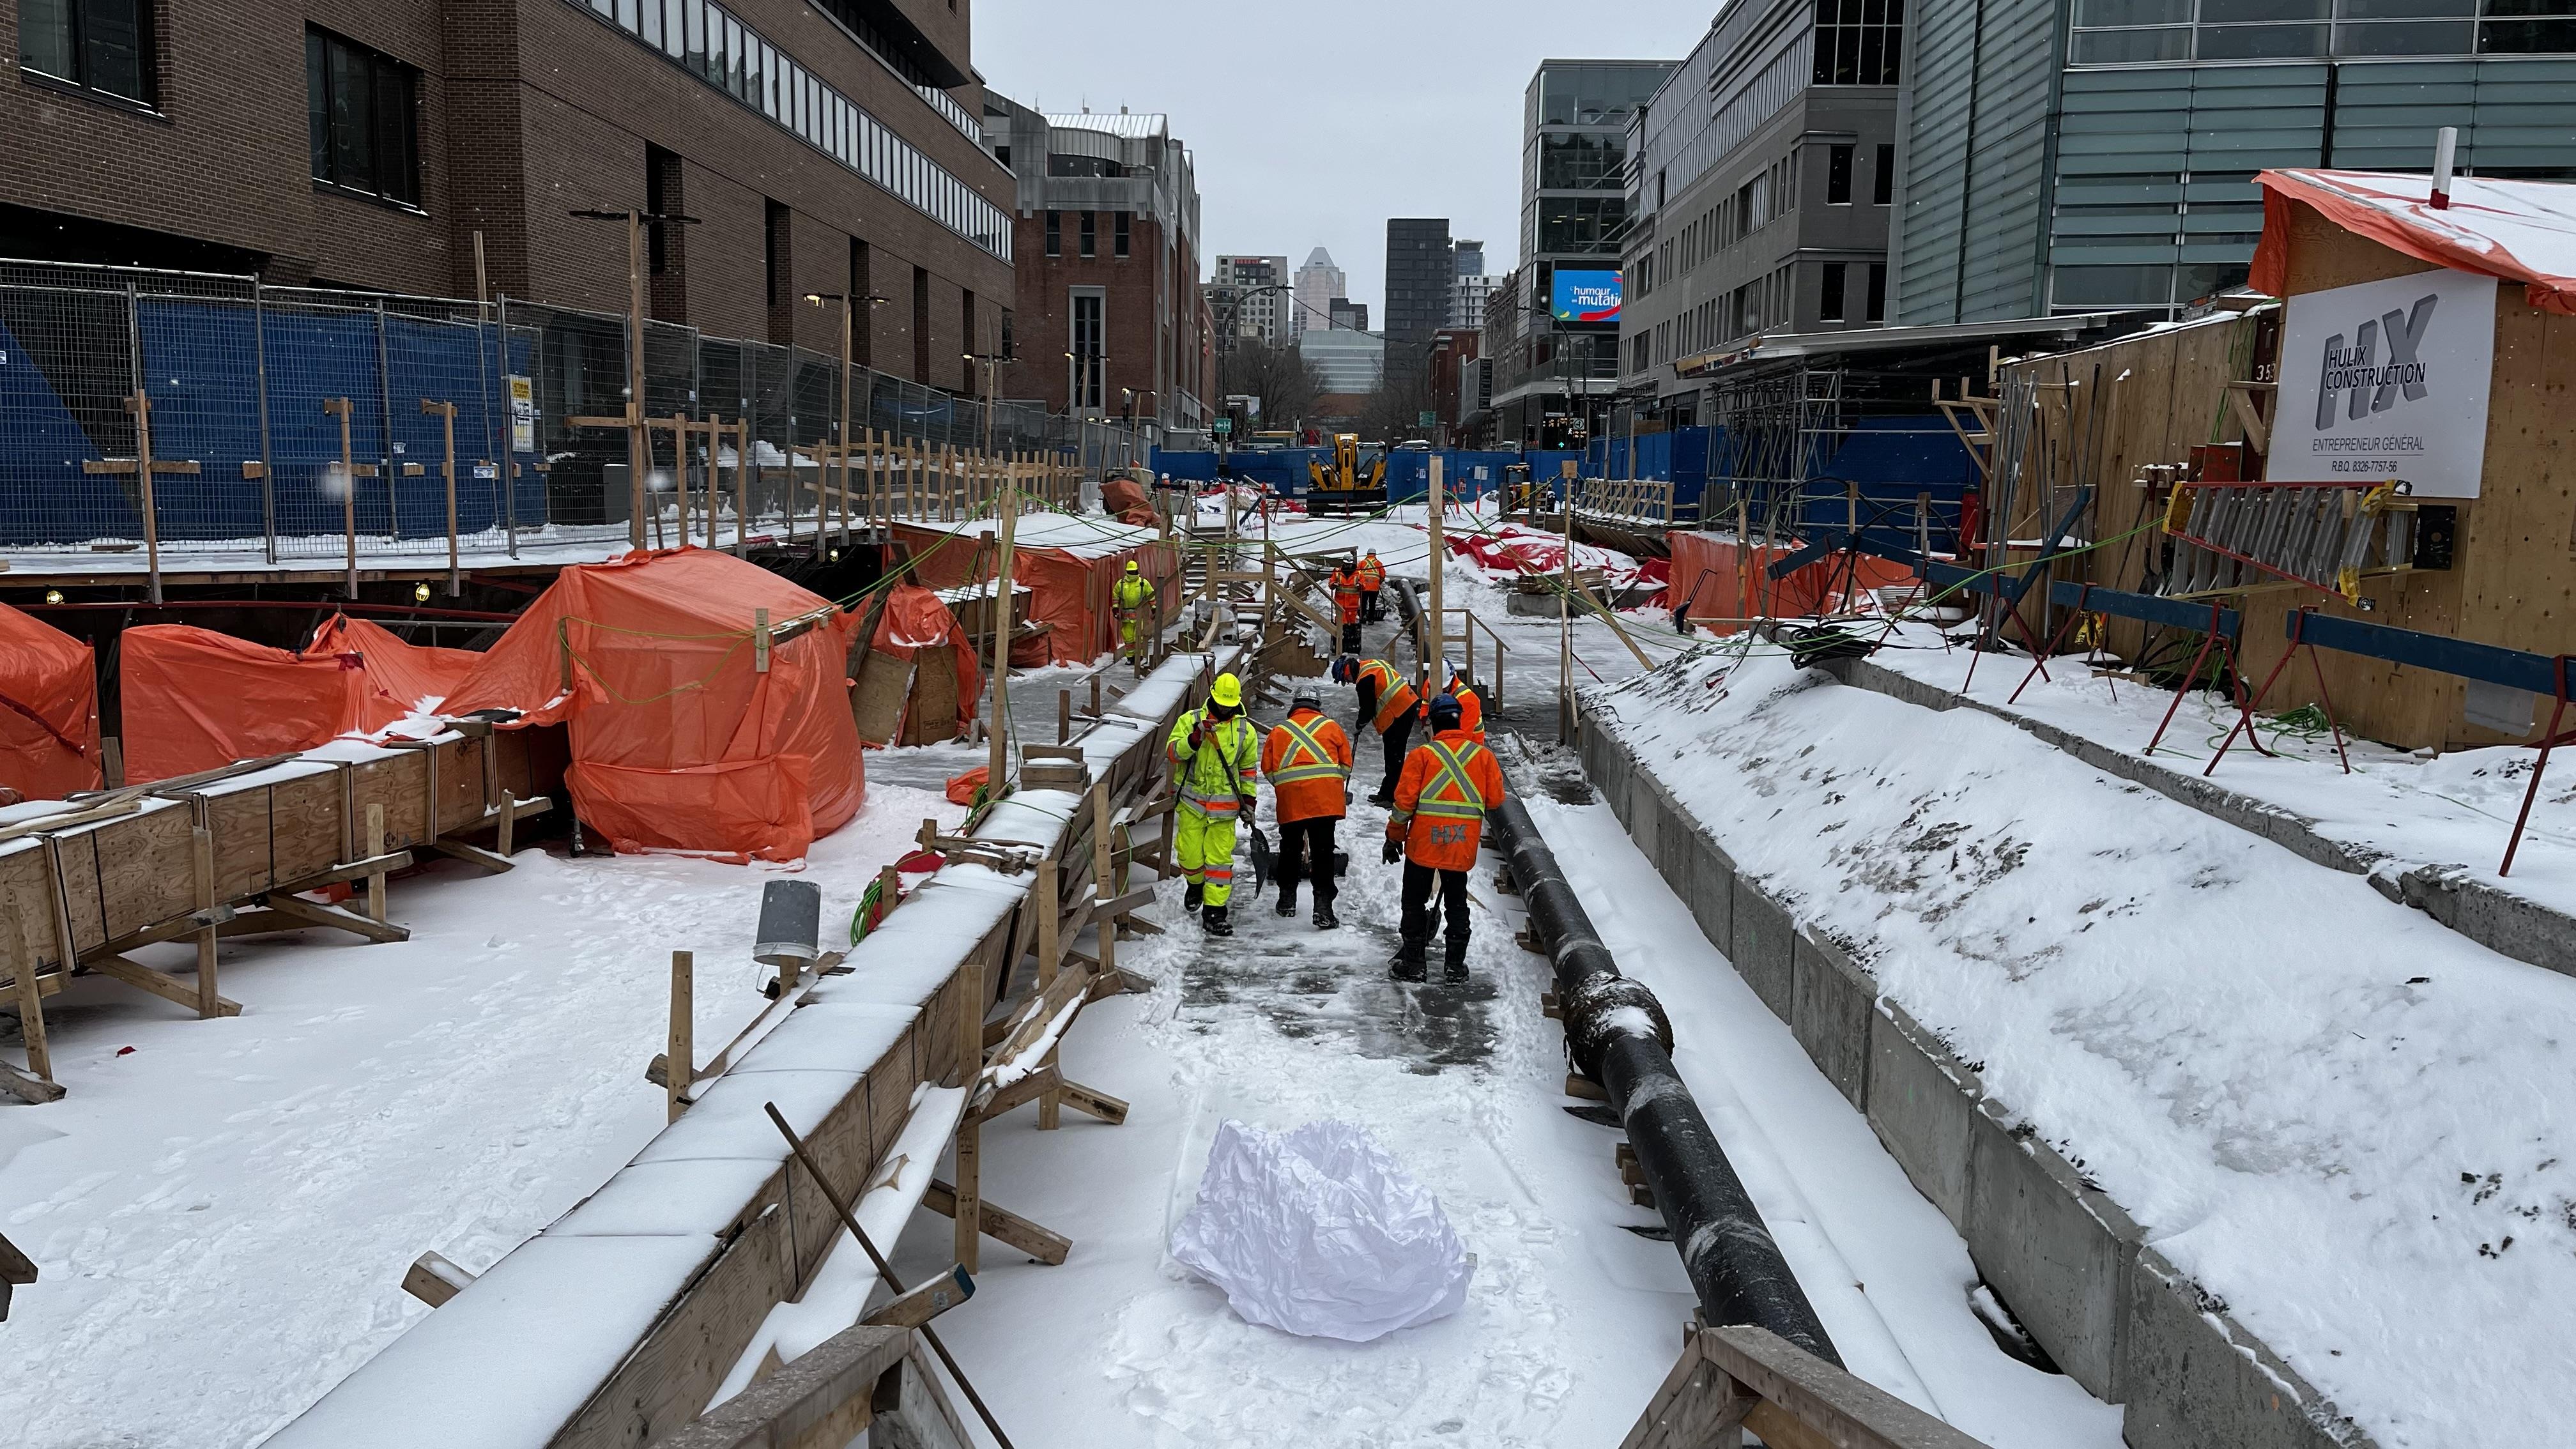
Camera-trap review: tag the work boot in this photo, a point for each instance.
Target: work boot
(1325, 920)
(1287, 900)
(1453, 964)
(1190, 900)
(1407, 965)
(1214, 919)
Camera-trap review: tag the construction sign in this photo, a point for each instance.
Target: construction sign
(2388, 379)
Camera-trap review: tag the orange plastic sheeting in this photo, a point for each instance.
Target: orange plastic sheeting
(197, 700)
(679, 742)
(48, 709)
(914, 619)
(1124, 499)
(1720, 580)
(2522, 231)
(1069, 591)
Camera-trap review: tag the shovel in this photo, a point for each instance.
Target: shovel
(1260, 860)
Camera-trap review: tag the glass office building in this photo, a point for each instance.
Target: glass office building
(2093, 154)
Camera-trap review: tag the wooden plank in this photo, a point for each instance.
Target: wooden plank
(311, 913)
(35, 1091)
(26, 926)
(1837, 1408)
(305, 821)
(1002, 1225)
(823, 1399)
(244, 860)
(926, 1300)
(167, 987)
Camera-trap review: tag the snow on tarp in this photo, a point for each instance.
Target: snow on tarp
(1068, 562)
(48, 709)
(194, 699)
(915, 619)
(2522, 231)
(679, 742)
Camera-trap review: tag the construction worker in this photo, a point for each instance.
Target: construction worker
(1471, 705)
(1130, 599)
(1346, 597)
(1213, 752)
(1449, 782)
(1308, 760)
(1372, 579)
(1387, 706)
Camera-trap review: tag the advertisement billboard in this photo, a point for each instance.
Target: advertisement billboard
(1585, 296)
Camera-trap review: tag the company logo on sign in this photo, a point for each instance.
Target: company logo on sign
(2369, 384)
(1586, 297)
(2387, 379)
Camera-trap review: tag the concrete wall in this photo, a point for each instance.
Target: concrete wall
(2112, 1312)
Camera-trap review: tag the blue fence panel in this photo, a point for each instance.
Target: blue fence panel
(42, 447)
(201, 367)
(1893, 459)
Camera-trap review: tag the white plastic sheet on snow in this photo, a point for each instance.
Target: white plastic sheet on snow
(1318, 1232)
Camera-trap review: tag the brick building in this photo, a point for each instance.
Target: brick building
(1110, 321)
(823, 147)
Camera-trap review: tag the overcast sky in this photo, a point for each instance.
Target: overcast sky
(1313, 123)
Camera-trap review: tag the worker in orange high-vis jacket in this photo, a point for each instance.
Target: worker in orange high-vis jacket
(1449, 783)
(1372, 579)
(1387, 706)
(1346, 599)
(1213, 751)
(1471, 705)
(1308, 760)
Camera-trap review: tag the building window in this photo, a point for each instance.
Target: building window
(1874, 301)
(1859, 42)
(1829, 293)
(1119, 235)
(1090, 234)
(1838, 175)
(1086, 339)
(1055, 234)
(921, 325)
(363, 123)
(101, 45)
(864, 326)
(773, 253)
(1882, 182)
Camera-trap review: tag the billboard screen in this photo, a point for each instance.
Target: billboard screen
(1586, 296)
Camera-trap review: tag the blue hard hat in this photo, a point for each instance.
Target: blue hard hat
(1446, 704)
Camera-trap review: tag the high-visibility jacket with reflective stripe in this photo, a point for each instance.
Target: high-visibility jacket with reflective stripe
(1346, 595)
(1394, 693)
(1440, 803)
(1372, 575)
(1471, 708)
(1308, 760)
(1212, 773)
(1131, 593)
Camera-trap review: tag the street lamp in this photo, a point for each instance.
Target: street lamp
(848, 326)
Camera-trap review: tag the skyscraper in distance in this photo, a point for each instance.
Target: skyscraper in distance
(1318, 283)
(1421, 277)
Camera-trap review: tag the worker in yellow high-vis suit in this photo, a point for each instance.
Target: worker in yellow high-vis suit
(1215, 753)
(1131, 599)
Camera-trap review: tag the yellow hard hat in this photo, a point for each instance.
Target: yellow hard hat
(1227, 691)
(1131, 566)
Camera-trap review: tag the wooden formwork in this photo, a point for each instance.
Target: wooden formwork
(234, 852)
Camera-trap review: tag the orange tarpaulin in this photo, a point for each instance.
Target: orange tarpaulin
(680, 741)
(194, 699)
(48, 709)
(913, 620)
(1717, 579)
(1069, 587)
(2522, 231)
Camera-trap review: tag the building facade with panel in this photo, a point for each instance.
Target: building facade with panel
(1574, 216)
(2092, 154)
(1111, 320)
(1243, 293)
(820, 148)
(1762, 190)
(1421, 278)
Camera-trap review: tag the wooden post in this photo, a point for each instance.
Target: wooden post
(204, 842)
(760, 641)
(1063, 715)
(339, 407)
(1048, 896)
(445, 412)
(970, 1169)
(375, 848)
(742, 485)
(997, 769)
(1095, 692)
(1439, 641)
(1104, 877)
(141, 406)
(849, 323)
(639, 446)
(680, 1052)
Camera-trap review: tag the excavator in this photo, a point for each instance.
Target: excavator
(1356, 481)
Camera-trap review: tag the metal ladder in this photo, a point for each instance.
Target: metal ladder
(2326, 536)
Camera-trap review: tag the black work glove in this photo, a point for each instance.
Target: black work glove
(1392, 853)
(1244, 803)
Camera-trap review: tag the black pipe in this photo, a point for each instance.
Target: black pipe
(1616, 1033)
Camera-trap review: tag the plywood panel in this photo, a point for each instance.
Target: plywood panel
(399, 782)
(461, 799)
(672, 1374)
(306, 826)
(79, 855)
(890, 1084)
(147, 869)
(244, 861)
(26, 919)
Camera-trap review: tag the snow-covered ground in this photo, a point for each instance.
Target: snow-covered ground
(222, 1210)
(2344, 1120)
(2455, 809)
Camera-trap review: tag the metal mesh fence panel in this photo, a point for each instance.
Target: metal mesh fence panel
(282, 420)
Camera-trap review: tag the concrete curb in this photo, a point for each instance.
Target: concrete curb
(2111, 1311)
(2505, 923)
